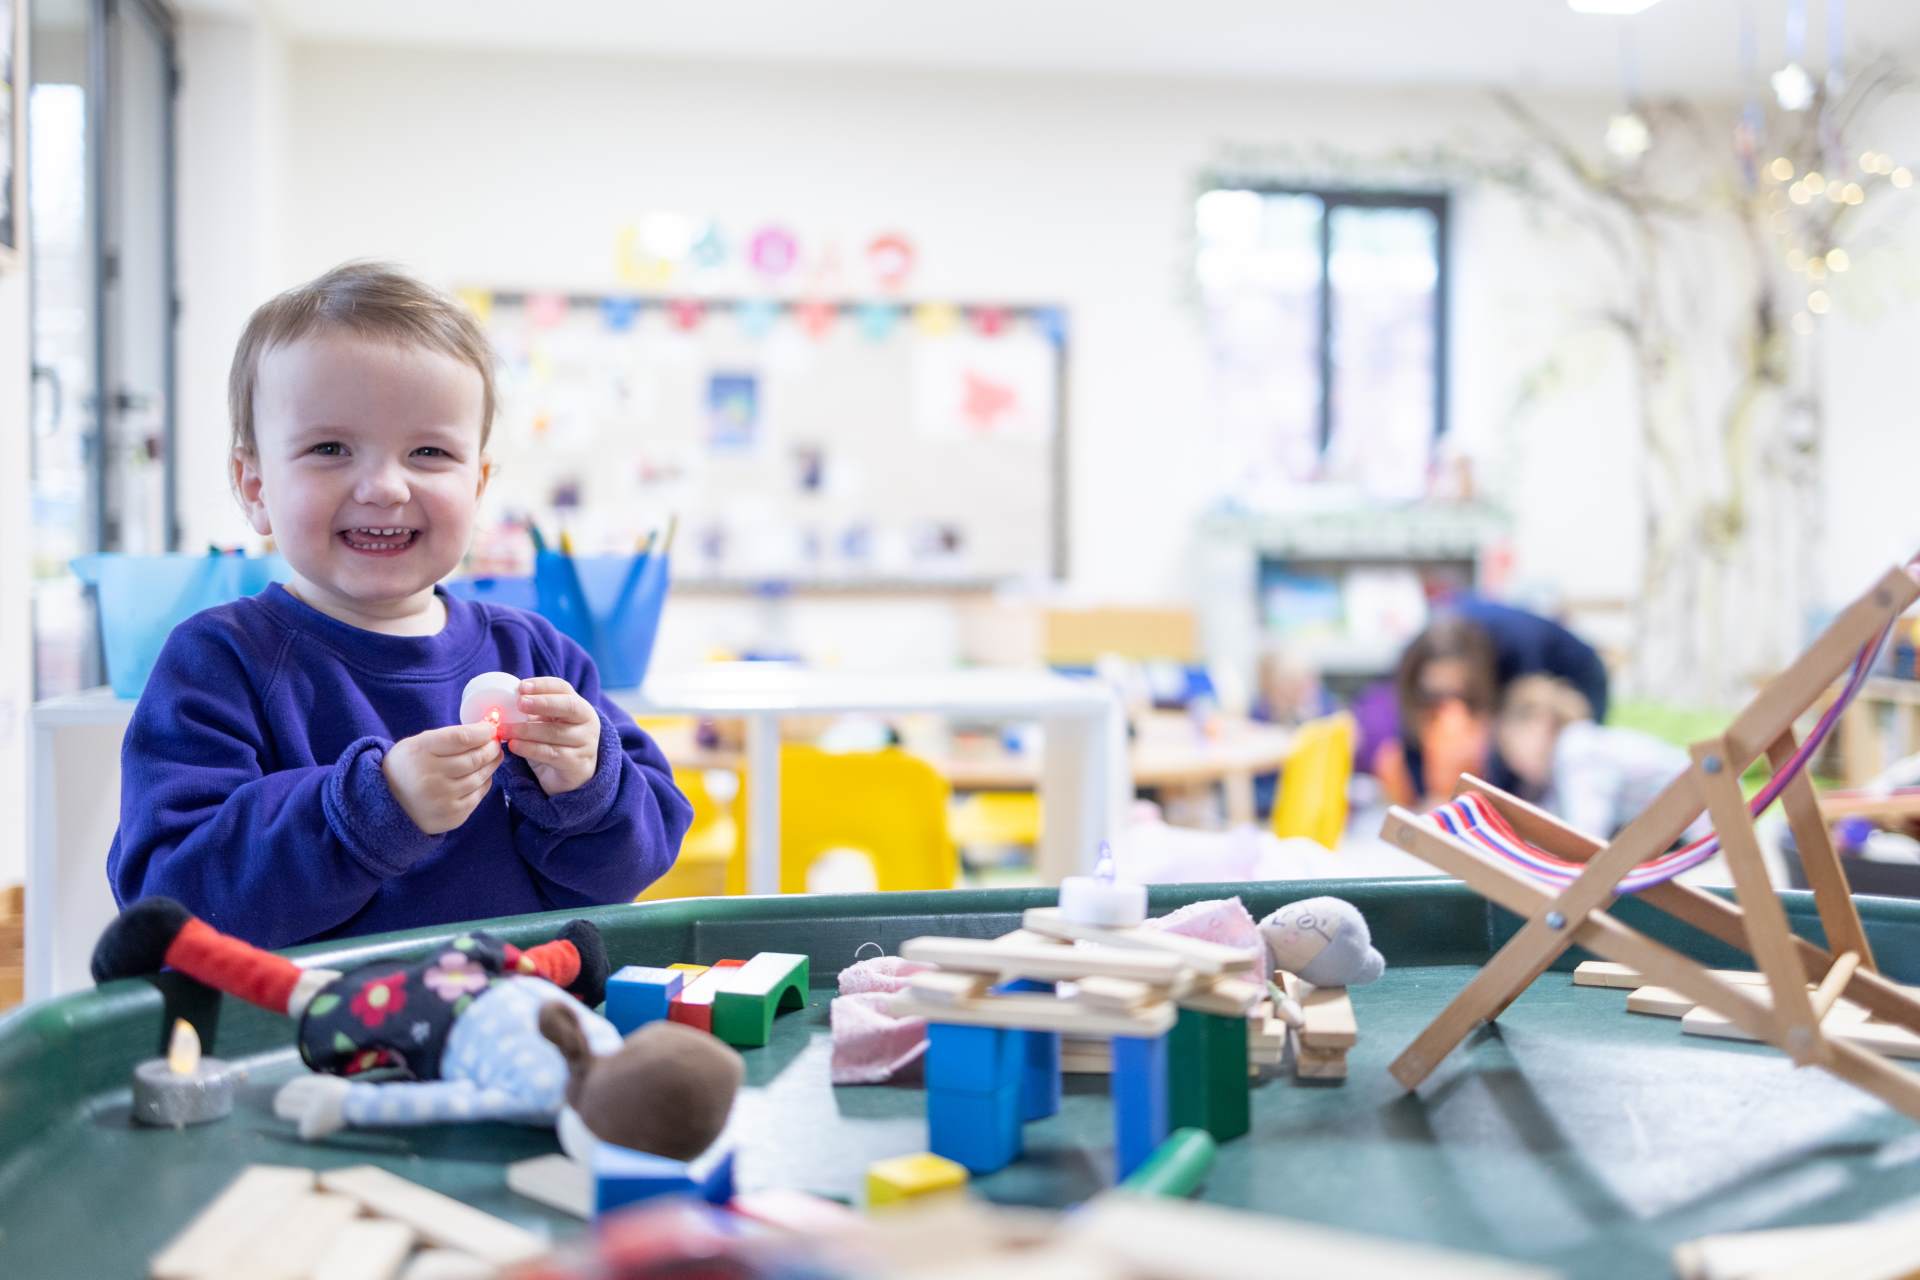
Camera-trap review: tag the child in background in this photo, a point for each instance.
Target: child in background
(296, 768)
(1594, 778)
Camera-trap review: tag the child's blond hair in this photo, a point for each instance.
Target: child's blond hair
(369, 300)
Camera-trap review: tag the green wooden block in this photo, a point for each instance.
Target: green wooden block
(1187, 1072)
(750, 995)
(1229, 1098)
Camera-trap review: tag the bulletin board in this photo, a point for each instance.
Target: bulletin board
(838, 443)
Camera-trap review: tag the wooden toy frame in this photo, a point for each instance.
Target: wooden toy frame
(1755, 922)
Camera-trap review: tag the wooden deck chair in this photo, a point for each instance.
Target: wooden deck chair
(1562, 882)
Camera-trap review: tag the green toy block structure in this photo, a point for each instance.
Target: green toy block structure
(770, 983)
(1207, 1075)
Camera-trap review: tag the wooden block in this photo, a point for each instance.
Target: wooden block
(691, 970)
(555, 1181)
(302, 1231)
(914, 1180)
(939, 987)
(750, 994)
(694, 1004)
(1116, 993)
(1661, 1002)
(1199, 954)
(1225, 996)
(1027, 956)
(1327, 1012)
(637, 995)
(1605, 973)
(1038, 1013)
(1881, 1249)
(440, 1220)
(1844, 1022)
(225, 1228)
(366, 1249)
(448, 1264)
(1318, 1064)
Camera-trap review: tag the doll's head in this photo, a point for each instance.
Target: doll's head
(1323, 940)
(667, 1091)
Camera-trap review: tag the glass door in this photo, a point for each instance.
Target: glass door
(100, 182)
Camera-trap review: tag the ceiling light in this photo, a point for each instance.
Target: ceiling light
(1618, 7)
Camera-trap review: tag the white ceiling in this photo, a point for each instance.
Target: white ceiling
(1690, 46)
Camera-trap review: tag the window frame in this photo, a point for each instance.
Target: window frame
(1437, 203)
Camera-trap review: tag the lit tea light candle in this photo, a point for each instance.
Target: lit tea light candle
(182, 1088)
(492, 697)
(1100, 899)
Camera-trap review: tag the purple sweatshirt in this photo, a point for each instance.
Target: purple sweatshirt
(251, 787)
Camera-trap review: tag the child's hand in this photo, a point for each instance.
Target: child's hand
(439, 777)
(562, 740)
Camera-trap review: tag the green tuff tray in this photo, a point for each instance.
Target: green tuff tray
(1573, 1134)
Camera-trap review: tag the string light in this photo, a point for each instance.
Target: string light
(1814, 183)
(1818, 302)
(1798, 193)
(1796, 260)
(1855, 194)
(1902, 177)
(1837, 260)
(1781, 169)
(1817, 268)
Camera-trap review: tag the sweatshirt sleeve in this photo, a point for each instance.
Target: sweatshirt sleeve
(609, 839)
(275, 856)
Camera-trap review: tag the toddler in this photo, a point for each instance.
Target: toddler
(296, 768)
(1595, 778)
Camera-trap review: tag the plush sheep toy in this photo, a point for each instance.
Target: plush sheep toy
(1323, 941)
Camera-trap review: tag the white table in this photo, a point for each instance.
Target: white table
(1083, 776)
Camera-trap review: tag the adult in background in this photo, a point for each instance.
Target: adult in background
(1449, 686)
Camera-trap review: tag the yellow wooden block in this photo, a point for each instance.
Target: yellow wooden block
(691, 970)
(913, 1178)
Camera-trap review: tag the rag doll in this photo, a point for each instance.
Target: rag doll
(479, 1030)
(1323, 941)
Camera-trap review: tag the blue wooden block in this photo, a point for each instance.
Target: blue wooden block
(1140, 1107)
(978, 1130)
(971, 1059)
(638, 995)
(1039, 1061)
(622, 1176)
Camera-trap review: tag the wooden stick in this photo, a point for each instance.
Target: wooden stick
(1116, 993)
(1199, 954)
(1832, 896)
(1047, 961)
(1040, 1013)
(939, 987)
(302, 1231)
(224, 1228)
(1766, 920)
(439, 1219)
(367, 1249)
(1834, 983)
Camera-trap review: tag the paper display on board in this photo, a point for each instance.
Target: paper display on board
(972, 387)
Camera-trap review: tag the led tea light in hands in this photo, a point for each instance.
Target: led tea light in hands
(492, 697)
(182, 1088)
(1099, 899)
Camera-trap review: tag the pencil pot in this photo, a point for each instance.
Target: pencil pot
(141, 599)
(610, 605)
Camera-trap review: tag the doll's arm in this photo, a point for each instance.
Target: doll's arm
(325, 1104)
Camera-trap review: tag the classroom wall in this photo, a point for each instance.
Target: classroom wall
(16, 648)
(518, 170)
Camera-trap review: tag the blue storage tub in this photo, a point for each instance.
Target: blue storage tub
(142, 598)
(609, 605)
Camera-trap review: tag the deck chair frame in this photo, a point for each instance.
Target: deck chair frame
(1784, 1013)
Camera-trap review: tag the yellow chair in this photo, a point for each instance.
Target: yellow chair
(888, 805)
(991, 818)
(1312, 800)
(711, 845)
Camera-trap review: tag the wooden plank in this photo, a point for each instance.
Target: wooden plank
(1328, 1012)
(1832, 896)
(1605, 973)
(1660, 1002)
(294, 1239)
(223, 1230)
(1839, 1023)
(555, 1181)
(1047, 961)
(1116, 993)
(1039, 1013)
(938, 987)
(1771, 939)
(1834, 807)
(440, 1220)
(1227, 997)
(448, 1264)
(1199, 954)
(367, 1249)
(1317, 1064)
(1743, 1255)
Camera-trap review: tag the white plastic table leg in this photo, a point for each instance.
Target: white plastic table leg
(1084, 789)
(763, 803)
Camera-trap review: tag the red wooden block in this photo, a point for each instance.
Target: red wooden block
(694, 1004)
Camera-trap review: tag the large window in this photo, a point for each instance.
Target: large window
(1326, 315)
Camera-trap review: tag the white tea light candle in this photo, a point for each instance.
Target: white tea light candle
(493, 696)
(1100, 899)
(182, 1088)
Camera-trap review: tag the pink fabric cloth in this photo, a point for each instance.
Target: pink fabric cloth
(1222, 920)
(871, 1045)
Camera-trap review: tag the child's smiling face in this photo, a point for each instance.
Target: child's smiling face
(367, 471)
